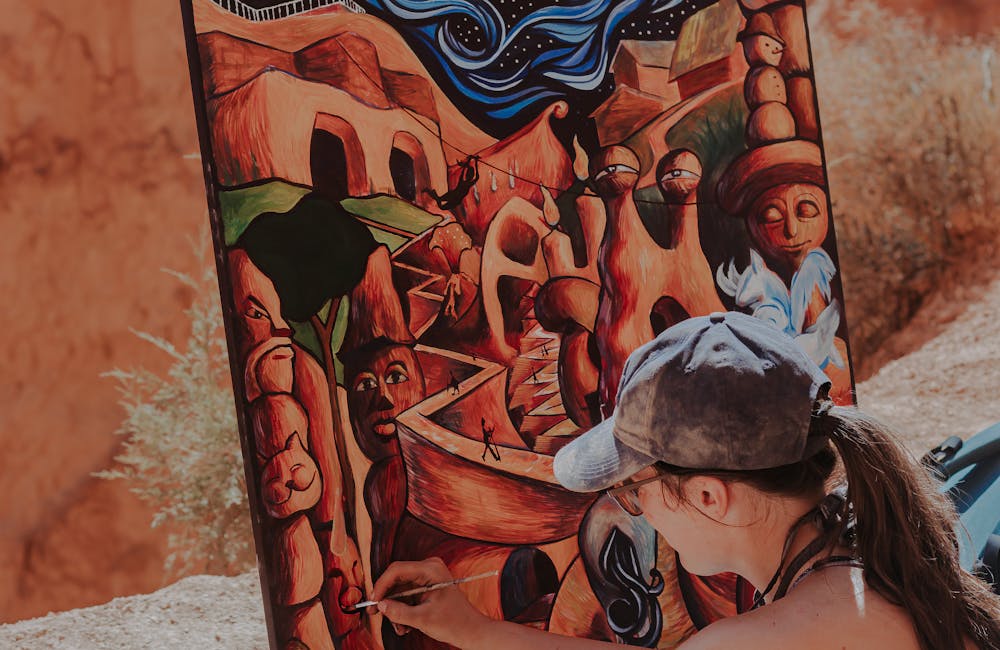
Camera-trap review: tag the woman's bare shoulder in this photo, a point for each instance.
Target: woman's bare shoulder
(832, 609)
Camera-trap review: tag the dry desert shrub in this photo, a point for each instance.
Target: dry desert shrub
(181, 450)
(911, 127)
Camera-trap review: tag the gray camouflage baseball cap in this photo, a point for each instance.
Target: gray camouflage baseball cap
(726, 392)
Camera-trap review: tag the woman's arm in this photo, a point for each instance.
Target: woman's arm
(446, 615)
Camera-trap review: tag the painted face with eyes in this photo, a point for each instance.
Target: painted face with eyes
(381, 387)
(290, 480)
(761, 49)
(788, 221)
(264, 337)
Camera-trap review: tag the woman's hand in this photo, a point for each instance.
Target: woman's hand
(444, 614)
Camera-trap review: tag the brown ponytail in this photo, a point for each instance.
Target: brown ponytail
(905, 535)
(904, 528)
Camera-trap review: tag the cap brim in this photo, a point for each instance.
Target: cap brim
(597, 460)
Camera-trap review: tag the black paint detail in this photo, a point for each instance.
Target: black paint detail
(312, 253)
(635, 615)
(328, 164)
(404, 176)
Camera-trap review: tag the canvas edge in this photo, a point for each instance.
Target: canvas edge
(228, 310)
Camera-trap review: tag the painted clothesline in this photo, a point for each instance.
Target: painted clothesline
(510, 173)
(292, 7)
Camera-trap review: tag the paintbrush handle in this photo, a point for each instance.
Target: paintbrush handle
(441, 585)
(424, 590)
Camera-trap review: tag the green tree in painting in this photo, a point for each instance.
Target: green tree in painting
(314, 254)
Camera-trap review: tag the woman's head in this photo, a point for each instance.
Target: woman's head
(708, 516)
(722, 392)
(726, 422)
(899, 519)
(701, 517)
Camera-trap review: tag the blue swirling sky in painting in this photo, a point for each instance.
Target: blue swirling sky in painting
(506, 59)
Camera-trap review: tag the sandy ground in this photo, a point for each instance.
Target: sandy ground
(197, 612)
(948, 386)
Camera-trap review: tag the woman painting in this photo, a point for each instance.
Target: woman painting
(724, 438)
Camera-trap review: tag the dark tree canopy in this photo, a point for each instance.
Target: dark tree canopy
(312, 253)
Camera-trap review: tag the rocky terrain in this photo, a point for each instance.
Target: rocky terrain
(100, 190)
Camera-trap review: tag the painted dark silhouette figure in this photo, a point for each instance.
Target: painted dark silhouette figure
(488, 444)
(453, 383)
(454, 197)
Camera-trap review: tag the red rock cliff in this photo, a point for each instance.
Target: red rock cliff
(95, 119)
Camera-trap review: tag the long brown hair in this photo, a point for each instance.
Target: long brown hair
(904, 528)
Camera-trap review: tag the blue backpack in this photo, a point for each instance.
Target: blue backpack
(971, 473)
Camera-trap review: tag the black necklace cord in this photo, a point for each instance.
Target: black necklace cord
(830, 513)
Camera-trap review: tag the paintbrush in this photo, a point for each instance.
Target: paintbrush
(424, 590)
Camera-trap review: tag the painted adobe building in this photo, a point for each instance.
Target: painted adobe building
(328, 116)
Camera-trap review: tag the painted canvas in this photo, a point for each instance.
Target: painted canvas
(441, 227)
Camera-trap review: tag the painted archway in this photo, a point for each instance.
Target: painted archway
(336, 159)
(409, 169)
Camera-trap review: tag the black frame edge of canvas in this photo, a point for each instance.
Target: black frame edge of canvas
(225, 290)
(829, 205)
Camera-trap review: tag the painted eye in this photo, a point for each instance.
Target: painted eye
(396, 377)
(678, 174)
(301, 477)
(614, 169)
(365, 384)
(772, 215)
(807, 210)
(253, 312)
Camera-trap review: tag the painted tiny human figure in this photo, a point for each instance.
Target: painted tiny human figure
(453, 383)
(453, 198)
(488, 444)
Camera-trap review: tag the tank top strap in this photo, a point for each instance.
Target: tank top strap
(833, 560)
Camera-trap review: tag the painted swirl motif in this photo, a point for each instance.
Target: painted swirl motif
(580, 38)
(635, 615)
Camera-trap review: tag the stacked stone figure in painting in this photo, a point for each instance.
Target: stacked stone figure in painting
(778, 187)
(286, 411)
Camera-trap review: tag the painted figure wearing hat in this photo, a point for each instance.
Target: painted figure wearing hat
(780, 192)
(383, 378)
(778, 187)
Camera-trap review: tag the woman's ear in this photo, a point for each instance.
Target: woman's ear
(711, 496)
